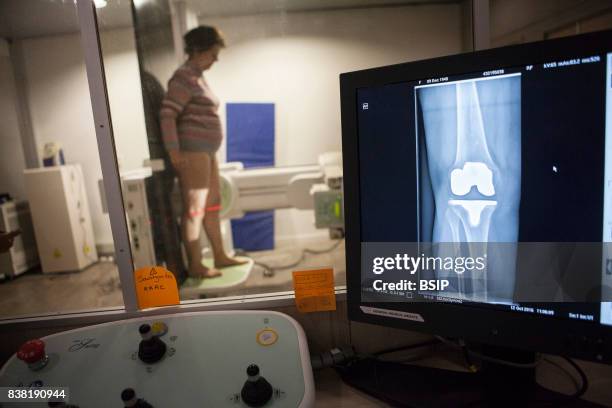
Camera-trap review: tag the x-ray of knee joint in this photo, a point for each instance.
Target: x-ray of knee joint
(469, 139)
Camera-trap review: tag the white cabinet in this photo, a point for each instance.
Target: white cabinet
(61, 218)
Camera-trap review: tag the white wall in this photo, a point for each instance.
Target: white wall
(293, 60)
(519, 21)
(510, 15)
(60, 107)
(12, 162)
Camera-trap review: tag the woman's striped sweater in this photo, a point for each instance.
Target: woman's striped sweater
(188, 116)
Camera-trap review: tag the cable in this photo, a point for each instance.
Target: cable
(269, 270)
(564, 370)
(584, 381)
(406, 347)
(336, 357)
(466, 357)
(491, 359)
(342, 356)
(407, 359)
(308, 251)
(506, 362)
(323, 251)
(581, 388)
(583, 377)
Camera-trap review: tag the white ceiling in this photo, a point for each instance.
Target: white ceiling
(34, 18)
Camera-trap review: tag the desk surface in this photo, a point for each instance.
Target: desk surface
(332, 392)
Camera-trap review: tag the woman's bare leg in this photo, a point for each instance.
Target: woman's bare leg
(194, 199)
(212, 223)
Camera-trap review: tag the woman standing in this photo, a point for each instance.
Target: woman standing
(192, 134)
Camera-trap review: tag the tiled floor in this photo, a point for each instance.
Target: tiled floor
(98, 286)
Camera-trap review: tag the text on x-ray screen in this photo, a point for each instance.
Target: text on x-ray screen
(507, 163)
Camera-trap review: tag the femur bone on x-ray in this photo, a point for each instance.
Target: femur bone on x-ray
(472, 155)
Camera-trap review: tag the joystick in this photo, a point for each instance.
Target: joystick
(130, 400)
(256, 391)
(151, 348)
(33, 353)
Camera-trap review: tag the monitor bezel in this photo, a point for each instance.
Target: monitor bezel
(577, 338)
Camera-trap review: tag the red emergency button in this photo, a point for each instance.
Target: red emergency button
(33, 353)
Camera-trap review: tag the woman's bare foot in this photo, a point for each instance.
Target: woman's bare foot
(202, 272)
(226, 261)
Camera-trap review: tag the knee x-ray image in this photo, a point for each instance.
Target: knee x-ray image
(469, 139)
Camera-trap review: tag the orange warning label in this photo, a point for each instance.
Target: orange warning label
(314, 290)
(155, 286)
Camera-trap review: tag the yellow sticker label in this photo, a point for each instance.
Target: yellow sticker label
(57, 253)
(155, 286)
(314, 290)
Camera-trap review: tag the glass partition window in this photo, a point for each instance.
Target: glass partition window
(227, 127)
(56, 246)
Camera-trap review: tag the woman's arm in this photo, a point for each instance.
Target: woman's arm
(178, 95)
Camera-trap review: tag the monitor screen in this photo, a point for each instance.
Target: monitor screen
(511, 163)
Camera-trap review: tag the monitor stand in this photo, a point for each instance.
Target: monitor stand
(404, 385)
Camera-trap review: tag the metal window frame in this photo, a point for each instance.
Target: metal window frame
(92, 51)
(481, 34)
(96, 316)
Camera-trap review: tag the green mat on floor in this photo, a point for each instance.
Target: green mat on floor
(232, 277)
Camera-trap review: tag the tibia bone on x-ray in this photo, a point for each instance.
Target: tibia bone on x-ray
(472, 140)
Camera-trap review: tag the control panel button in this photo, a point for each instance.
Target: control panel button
(256, 391)
(159, 329)
(151, 348)
(267, 337)
(33, 353)
(131, 400)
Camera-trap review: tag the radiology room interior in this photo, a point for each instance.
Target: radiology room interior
(283, 55)
(278, 84)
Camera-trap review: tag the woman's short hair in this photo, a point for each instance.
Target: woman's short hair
(202, 38)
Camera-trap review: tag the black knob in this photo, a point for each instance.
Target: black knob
(256, 391)
(151, 348)
(252, 370)
(128, 396)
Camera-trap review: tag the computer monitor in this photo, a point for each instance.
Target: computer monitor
(506, 152)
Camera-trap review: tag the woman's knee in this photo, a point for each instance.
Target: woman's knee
(195, 201)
